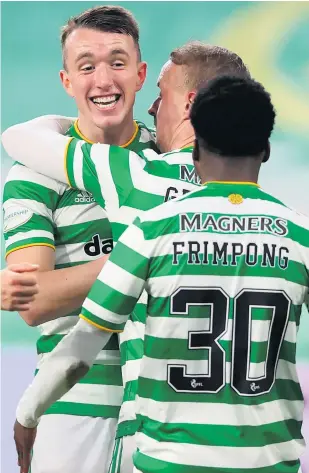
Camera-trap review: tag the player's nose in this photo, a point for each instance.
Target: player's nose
(103, 76)
(152, 110)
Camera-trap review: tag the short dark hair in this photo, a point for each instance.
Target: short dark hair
(233, 116)
(106, 18)
(205, 61)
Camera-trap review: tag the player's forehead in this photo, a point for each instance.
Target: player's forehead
(164, 74)
(83, 41)
(171, 75)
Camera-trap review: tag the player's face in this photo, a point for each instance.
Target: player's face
(170, 108)
(103, 75)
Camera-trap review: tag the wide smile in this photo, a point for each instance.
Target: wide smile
(105, 102)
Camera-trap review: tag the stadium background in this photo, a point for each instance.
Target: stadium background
(271, 37)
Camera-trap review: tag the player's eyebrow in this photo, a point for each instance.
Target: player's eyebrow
(117, 51)
(84, 55)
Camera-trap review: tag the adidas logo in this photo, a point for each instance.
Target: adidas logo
(83, 197)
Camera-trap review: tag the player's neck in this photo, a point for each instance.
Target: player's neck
(118, 135)
(183, 136)
(228, 169)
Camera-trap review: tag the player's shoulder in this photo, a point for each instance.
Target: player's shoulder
(279, 208)
(20, 178)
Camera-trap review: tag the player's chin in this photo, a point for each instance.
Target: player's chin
(110, 121)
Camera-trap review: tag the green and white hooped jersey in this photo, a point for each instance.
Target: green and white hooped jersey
(128, 184)
(41, 211)
(226, 270)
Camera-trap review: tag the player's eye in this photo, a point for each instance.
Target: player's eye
(118, 64)
(87, 68)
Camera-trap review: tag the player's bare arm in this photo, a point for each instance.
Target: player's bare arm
(70, 286)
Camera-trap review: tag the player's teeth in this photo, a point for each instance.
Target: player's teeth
(105, 105)
(110, 98)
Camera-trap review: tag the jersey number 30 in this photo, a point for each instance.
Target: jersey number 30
(215, 378)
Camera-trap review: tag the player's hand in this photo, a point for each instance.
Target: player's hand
(18, 286)
(24, 440)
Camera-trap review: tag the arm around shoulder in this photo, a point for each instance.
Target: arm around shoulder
(28, 142)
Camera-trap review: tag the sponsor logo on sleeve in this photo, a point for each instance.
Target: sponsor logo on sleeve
(15, 216)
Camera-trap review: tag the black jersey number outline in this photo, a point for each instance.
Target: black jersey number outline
(214, 378)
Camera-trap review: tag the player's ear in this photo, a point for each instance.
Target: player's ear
(66, 82)
(141, 75)
(189, 102)
(267, 153)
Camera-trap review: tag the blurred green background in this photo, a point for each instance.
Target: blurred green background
(271, 37)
